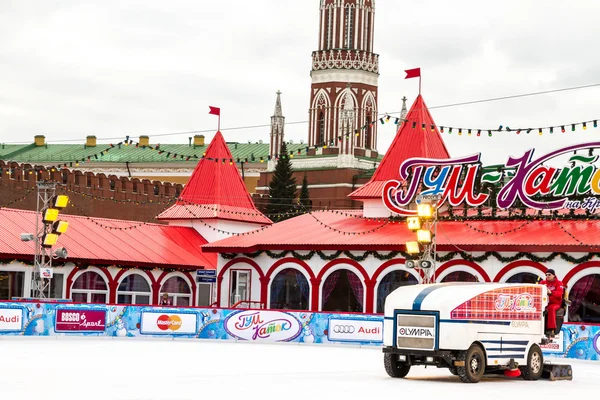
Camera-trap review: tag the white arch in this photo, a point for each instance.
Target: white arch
(581, 274)
(288, 265)
(342, 95)
(381, 277)
(185, 278)
(338, 267)
(321, 93)
(518, 270)
(369, 96)
(95, 270)
(459, 268)
(135, 272)
(575, 278)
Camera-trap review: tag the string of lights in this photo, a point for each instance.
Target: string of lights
(455, 104)
(20, 199)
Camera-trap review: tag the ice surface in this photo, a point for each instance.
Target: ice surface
(99, 368)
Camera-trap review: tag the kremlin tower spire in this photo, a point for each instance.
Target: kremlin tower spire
(277, 128)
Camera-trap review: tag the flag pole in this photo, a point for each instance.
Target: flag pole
(216, 111)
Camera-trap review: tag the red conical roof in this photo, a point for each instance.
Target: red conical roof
(409, 142)
(215, 190)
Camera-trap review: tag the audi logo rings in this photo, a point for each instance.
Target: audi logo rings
(343, 329)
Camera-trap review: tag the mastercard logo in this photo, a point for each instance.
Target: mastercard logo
(165, 322)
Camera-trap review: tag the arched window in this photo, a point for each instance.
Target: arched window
(523, 277)
(367, 134)
(179, 291)
(390, 282)
(367, 34)
(290, 290)
(134, 289)
(349, 29)
(460, 276)
(321, 140)
(342, 291)
(328, 28)
(89, 287)
(585, 300)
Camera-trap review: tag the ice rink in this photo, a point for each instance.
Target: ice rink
(90, 368)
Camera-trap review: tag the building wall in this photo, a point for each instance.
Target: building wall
(94, 195)
(372, 271)
(112, 277)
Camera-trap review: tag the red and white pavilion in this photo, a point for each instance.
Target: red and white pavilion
(130, 262)
(349, 261)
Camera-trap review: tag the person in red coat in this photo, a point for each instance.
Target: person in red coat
(556, 291)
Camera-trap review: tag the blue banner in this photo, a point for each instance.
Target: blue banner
(60, 319)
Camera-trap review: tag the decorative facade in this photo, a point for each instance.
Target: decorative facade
(344, 77)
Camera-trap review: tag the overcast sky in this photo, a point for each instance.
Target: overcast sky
(112, 68)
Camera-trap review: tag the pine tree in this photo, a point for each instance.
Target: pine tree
(282, 188)
(305, 202)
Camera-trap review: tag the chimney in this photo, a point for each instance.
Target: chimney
(144, 141)
(198, 140)
(90, 141)
(40, 140)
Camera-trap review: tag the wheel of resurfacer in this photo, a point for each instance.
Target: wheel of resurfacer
(474, 364)
(535, 364)
(393, 367)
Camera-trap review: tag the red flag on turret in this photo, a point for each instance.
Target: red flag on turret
(413, 73)
(214, 111)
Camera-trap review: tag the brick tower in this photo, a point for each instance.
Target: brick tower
(344, 80)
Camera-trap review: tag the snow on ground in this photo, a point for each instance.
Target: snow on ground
(96, 368)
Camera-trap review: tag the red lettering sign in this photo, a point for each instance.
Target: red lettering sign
(71, 320)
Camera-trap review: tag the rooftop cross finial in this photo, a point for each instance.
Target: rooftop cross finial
(404, 111)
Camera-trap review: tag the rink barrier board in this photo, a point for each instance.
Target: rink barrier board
(578, 341)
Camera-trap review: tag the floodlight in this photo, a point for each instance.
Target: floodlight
(412, 247)
(425, 211)
(61, 201)
(60, 227)
(61, 253)
(49, 239)
(50, 215)
(424, 236)
(414, 223)
(27, 237)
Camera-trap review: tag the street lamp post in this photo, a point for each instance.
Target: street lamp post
(425, 226)
(47, 228)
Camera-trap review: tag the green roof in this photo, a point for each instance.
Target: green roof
(119, 154)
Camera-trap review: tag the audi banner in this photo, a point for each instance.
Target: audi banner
(355, 330)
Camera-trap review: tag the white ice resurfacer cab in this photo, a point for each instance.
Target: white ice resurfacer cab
(470, 328)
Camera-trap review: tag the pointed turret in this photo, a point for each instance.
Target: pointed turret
(215, 193)
(277, 128)
(412, 140)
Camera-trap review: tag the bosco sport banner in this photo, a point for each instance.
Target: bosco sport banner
(59, 319)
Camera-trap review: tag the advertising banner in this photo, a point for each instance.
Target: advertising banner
(11, 319)
(58, 319)
(79, 320)
(258, 325)
(355, 330)
(168, 323)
